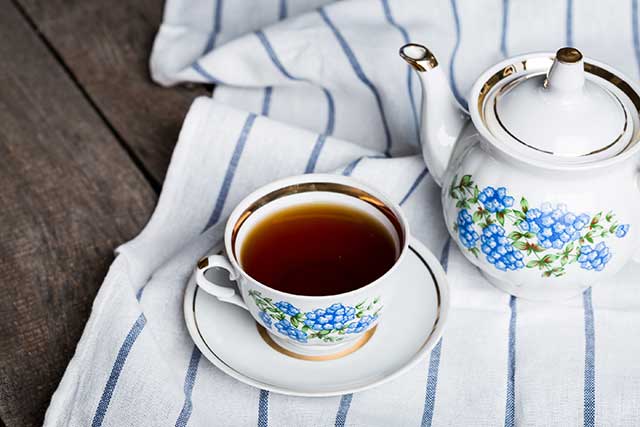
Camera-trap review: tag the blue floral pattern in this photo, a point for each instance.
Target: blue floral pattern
(329, 324)
(499, 250)
(549, 238)
(594, 258)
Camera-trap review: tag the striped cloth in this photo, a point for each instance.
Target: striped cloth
(304, 87)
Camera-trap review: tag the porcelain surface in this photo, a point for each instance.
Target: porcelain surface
(229, 338)
(541, 189)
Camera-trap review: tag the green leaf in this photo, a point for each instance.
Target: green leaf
(520, 245)
(280, 316)
(324, 332)
(564, 260)
(300, 316)
(465, 181)
(515, 235)
(359, 314)
(519, 214)
(476, 193)
(533, 263)
(609, 216)
(548, 259)
(460, 204)
(475, 251)
(524, 205)
(477, 216)
(500, 217)
(359, 306)
(569, 248)
(537, 248)
(596, 218)
(588, 237)
(369, 307)
(305, 329)
(529, 235)
(376, 299)
(294, 322)
(613, 228)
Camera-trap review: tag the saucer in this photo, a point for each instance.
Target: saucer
(229, 338)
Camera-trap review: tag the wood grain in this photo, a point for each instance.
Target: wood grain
(69, 195)
(106, 46)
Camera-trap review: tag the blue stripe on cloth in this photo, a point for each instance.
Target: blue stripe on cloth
(266, 101)
(231, 170)
(357, 68)
(432, 383)
(405, 36)
(415, 184)
(263, 409)
(116, 370)
(348, 170)
(634, 29)
(189, 381)
(331, 113)
(272, 55)
(569, 22)
(434, 360)
(454, 86)
(510, 409)
(589, 361)
(505, 28)
(217, 19)
(311, 163)
(204, 73)
(343, 410)
(282, 10)
(315, 153)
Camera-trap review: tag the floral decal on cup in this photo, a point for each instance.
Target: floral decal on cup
(326, 324)
(549, 238)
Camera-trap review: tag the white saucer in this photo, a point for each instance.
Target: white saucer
(412, 324)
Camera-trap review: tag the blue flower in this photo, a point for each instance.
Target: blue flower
(287, 308)
(466, 231)
(361, 325)
(594, 258)
(286, 328)
(334, 317)
(554, 227)
(499, 250)
(622, 230)
(266, 319)
(495, 200)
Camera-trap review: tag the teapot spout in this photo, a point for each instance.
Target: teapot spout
(441, 119)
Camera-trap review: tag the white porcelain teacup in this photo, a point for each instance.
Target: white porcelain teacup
(315, 326)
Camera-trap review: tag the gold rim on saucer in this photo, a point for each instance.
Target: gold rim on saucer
(357, 345)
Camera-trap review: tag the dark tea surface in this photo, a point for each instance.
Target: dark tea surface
(318, 249)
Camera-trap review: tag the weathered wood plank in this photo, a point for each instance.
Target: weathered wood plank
(69, 195)
(106, 45)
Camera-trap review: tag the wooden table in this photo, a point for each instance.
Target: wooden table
(85, 140)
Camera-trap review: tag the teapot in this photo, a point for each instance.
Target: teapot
(541, 188)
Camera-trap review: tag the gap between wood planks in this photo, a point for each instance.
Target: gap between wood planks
(137, 161)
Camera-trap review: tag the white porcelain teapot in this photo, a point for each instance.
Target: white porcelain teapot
(541, 189)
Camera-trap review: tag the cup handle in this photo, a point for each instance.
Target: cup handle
(223, 293)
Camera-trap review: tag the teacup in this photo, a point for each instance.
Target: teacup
(312, 326)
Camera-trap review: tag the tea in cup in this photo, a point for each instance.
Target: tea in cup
(314, 258)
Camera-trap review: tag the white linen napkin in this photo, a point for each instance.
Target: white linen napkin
(302, 89)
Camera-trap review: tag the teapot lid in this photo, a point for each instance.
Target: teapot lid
(564, 112)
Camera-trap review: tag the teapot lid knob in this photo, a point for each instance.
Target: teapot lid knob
(567, 72)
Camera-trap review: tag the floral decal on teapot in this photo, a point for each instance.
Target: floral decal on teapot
(512, 237)
(329, 324)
